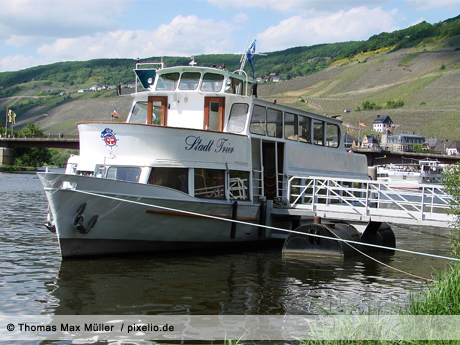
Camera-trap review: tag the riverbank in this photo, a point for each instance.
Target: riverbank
(441, 297)
(12, 168)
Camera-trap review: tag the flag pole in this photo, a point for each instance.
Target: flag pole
(359, 132)
(6, 123)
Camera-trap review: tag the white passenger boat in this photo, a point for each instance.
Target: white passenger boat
(198, 148)
(411, 175)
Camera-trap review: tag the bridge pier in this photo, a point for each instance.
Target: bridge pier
(6, 156)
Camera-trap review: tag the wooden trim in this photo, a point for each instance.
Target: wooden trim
(164, 109)
(183, 214)
(150, 111)
(221, 101)
(206, 114)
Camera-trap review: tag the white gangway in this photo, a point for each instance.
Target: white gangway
(367, 200)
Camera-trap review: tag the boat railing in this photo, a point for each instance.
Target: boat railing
(213, 192)
(281, 182)
(362, 199)
(139, 64)
(240, 71)
(237, 189)
(145, 66)
(258, 183)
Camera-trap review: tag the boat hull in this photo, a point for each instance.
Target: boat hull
(132, 217)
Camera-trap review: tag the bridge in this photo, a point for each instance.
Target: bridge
(383, 157)
(51, 142)
(7, 145)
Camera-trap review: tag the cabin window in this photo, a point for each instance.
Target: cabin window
(100, 171)
(274, 123)
(305, 129)
(212, 82)
(210, 183)
(139, 113)
(175, 178)
(253, 90)
(318, 132)
(130, 174)
(291, 127)
(258, 120)
(156, 113)
(238, 185)
(237, 86)
(189, 80)
(237, 119)
(167, 82)
(332, 135)
(213, 116)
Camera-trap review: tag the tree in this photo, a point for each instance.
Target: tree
(451, 181)
(32, 130)
(417, 148)
(59, 157)
(31, 156)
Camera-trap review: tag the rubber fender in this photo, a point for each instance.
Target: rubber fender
(309, 244)
(380, 234)
(348, 232)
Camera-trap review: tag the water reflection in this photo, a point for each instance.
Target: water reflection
(231, 283)
(34, 279)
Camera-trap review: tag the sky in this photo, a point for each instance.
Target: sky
(40, 32)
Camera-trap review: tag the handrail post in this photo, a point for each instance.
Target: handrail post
(313, 197)
(423, 203)
(288, 192)
(367, 198)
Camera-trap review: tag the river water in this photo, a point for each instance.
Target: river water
(35, 280)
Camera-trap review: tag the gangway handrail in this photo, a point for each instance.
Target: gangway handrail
(367, 200)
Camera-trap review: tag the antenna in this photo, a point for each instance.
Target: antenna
(244, 56)
(162, 33)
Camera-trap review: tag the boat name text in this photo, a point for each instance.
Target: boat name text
(197, 144)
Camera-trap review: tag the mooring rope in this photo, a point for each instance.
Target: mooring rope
(384, 264)
(265, 226)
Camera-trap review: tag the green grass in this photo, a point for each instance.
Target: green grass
(63, 127)
(10, 168)
(440, 298)
(408, 59)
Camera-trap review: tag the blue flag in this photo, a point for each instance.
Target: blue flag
(250, 56)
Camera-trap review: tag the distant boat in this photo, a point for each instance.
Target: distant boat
(412, 174)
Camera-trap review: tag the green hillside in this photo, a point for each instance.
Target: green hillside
(424, 79)
(417, 67)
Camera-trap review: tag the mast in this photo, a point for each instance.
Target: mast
(248, 55)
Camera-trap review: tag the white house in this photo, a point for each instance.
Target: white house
(382, 123)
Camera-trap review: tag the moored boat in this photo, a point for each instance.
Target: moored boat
(411, 175)
(198, 148)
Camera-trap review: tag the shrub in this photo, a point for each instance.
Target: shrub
(393, 104)
(451, 181)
